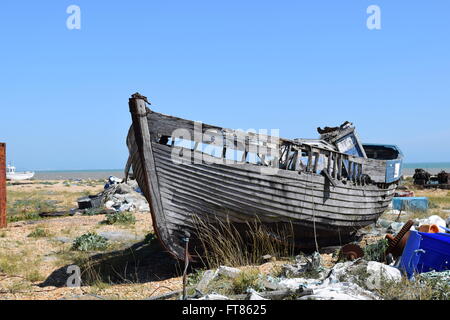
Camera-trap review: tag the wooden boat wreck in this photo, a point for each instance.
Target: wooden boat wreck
(325, 189)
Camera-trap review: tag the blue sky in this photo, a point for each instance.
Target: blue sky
(292, 65)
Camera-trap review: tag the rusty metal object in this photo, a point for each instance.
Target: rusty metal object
(351, 252)
(3, 222)
(397, 243)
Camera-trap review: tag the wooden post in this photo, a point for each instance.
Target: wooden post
(335, 165)
(3, 221)
(340, 163)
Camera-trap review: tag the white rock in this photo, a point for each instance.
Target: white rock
(228, 271)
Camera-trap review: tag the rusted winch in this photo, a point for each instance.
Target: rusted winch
(351, 252)
(398, 243)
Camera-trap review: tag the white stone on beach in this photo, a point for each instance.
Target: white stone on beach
(228, 271)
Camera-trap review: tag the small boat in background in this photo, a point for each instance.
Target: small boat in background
(12, 175)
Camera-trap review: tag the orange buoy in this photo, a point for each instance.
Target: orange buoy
(426, 228)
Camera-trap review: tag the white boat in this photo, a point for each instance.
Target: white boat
(12, 175)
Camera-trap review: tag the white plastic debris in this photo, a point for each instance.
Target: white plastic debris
(295, 283)
(379, 272)
(433, 220)
(340, 291)
(255, 295)
(109, 204)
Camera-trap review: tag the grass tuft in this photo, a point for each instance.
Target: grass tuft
(120, 218)
(420, 289)
(246, 279)
(40, 232)
(221, 243)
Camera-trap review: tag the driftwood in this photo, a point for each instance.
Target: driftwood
(277, 295)
(54, 214)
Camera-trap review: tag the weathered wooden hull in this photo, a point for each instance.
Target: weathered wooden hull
(315, 209)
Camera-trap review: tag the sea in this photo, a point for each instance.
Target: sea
(408, 170)
(79, 174)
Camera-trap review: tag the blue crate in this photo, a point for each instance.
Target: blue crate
(426, 252)
(410, 203)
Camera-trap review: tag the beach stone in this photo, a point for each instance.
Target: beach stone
(228, 272)
(63, 239)
(119, 236)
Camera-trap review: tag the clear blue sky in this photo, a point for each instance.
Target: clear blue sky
(292, 65)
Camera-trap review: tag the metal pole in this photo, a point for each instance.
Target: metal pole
(3, 221)
(186, 264)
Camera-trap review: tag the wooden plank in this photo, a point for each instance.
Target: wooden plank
(143, 140)
(340, 164)
(349, 171)
(329, 161)
(316, 161)
(3, 220)
(328, 176)
(263, 198)
(298, 161)
(335, 164)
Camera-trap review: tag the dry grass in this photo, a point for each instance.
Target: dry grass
(26, 201)
(249, 278)
(40, 232)
(223, 244)
(421, 289)
(21, 265)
